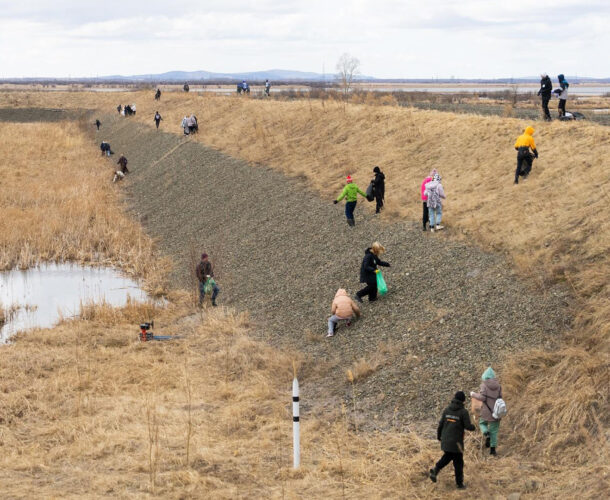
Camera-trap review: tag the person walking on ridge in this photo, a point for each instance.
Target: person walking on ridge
(546, 88)
(368, 271)
(350, 193)
(158, 95)
(157, 119)
(450, 433)
(119, 108)
(379, 188)
(562, 93)
(525, 159)
(97, 123)
(343, 308)
(435, 195)
(205, 275)
(424, 198)
(489, 392)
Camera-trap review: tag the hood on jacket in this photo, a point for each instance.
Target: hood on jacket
(492, 384)
(368, 250)
(340, 292)
(489, 373)
(529, 130)
(561, 77)
(456, 404)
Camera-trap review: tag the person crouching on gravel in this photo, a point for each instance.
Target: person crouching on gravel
(342, 309)
(350, 193)
(435, 195)
(368, 271)
(205, 275)
(450, 433)
(488, 393)
(424, 198)
(120, 173)
(525, 159)
(157, 119)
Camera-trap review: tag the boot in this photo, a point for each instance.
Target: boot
(487, 439)
(432, 475)
(461, 486)
(350, 222)
(492, 451)
(214, 302)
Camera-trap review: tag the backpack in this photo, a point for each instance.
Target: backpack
(500, 409)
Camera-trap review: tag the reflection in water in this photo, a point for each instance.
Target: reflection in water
(40, 296)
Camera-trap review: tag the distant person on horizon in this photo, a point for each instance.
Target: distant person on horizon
(119, 108)
(343, 308)
(562, 93)
(158, 95)
(205, 275)
(435, 195)
(350, 193)
(368, 271)
(186, 87)
(379, 188)
(450, 432)
(545, 92)
(267, 87)
(424, 198)
(97, 123)
(525, 159)
(157, 119)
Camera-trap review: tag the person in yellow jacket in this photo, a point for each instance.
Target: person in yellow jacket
(350, 193)
(525, 158)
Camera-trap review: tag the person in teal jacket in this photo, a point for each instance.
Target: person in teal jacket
(350, 193)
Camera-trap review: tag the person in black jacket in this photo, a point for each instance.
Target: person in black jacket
(368, 271)
(450, 433)
(97, 123)
(379, 188)
(546, 88)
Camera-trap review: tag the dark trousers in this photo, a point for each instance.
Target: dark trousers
(425, 217)
(157, 123)
(379, 201)
(370, 289)
(562, 107)
(458, 465)
(349, 210)
(545, 107)
(524, 163)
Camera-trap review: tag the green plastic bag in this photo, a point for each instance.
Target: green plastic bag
(382, 288)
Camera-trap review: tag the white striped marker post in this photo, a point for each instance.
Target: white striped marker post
(296, 439)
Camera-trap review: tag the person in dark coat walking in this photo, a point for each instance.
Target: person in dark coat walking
(157, 119)
(119, 108)
(204, 272)
(546, 89)
(97, 123)
(450, 433)
(368, 271)
(379, 188)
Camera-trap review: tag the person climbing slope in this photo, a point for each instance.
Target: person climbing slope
(435, 195)
(450, 433)
(424, 198)
(379, 188)
(120, 173)
(350, 193)
(368, 271)
(489, 392)
(525, 159)
(546, 88)
(343, 308)
(204, 272)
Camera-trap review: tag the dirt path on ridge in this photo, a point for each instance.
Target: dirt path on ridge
(281, 252)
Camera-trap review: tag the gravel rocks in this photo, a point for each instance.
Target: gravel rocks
(281, 252)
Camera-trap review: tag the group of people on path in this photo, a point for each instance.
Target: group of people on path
(455, 419)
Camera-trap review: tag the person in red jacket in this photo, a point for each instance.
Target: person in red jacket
(424, 198)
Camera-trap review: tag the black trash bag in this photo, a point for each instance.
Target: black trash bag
(370, 191)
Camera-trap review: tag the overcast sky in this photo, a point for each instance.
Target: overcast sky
(392, 38)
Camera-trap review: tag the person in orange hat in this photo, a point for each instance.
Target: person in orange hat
(350, 193)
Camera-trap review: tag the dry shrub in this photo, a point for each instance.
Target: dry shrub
(361, 369)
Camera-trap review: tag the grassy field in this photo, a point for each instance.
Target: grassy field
(88, 409)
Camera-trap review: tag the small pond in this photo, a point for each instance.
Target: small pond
(41, 296)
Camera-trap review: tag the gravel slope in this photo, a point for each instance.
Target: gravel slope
(281, 252)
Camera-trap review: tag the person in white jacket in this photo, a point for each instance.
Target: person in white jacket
(435, 195)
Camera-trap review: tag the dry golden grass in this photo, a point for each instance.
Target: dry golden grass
(85, 417)
(57, 204)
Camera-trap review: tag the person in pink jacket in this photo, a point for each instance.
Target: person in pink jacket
(342, 309)
(424, 198)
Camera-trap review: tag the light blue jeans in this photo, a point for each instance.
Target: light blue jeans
(435, 213)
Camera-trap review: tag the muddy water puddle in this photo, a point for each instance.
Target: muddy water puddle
(40, 297)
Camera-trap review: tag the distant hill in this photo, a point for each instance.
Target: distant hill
(272, 74)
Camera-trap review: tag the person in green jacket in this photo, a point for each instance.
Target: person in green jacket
(350, 193)
(450, 433)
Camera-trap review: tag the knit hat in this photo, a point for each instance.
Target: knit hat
(489, 373)
(377, 170)
(204, 255)
(349, 179)
(460, 396)
(433, 172)
(436, 177)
